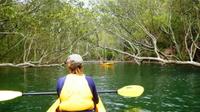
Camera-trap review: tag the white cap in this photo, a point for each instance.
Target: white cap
(75, 58)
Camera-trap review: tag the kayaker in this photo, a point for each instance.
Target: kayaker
(76, 91)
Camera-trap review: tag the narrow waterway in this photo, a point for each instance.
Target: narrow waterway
(168, 88)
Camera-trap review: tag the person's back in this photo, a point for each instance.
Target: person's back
(76, 91)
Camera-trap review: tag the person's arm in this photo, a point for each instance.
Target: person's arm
(59, 85)
(93, 89)
(95, 97)
(95, 94)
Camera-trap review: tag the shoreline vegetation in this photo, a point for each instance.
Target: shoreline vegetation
(163, 62)
(41, 33)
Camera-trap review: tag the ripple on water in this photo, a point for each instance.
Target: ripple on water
(116, 105)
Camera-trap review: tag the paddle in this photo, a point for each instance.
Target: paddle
(127, 91)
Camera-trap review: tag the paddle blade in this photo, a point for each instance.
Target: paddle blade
(8, 95)
(131, 91)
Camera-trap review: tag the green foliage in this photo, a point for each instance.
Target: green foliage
(48, 30)
(167, 20)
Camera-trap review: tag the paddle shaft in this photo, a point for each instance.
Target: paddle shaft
(38, 93)
(54, 93)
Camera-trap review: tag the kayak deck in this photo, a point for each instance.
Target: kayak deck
(54, 106)
(100, 106)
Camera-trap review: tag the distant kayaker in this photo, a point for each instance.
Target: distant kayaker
(76, 91)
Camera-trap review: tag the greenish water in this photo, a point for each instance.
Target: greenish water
(168, 88)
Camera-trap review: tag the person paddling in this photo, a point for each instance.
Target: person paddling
(76, 91)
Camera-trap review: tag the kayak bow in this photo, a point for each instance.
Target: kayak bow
(55, 105)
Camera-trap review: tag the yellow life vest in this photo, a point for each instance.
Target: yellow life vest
(76, 94)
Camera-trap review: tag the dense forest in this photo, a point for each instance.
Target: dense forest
(46, 31)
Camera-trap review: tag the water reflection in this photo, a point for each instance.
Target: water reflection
(166, 88)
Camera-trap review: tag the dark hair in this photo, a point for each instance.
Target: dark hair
(76, 68)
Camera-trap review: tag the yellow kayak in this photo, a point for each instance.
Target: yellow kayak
(107, 64)
(54, 106)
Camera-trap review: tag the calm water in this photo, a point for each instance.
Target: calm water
(167, 88)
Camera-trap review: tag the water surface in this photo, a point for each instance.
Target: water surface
(168, 88)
